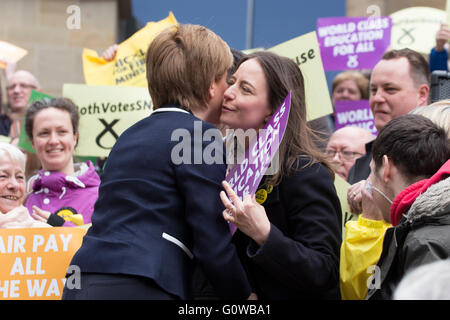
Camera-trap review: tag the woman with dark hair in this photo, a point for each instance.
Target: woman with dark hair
(289, 244)
(63, 192)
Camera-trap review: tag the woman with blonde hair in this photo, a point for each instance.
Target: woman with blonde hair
(438, 112)
(12, 190)
(156, 216)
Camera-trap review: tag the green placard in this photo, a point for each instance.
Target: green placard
(24, 142)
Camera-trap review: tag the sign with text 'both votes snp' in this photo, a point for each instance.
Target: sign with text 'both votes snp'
(415, 28)
(304, 50)
(105, 113)
(353, 43)
(245, 176)
(354, 113)
(128, 66)
(34, 261)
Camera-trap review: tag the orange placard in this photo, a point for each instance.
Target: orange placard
(34, 261)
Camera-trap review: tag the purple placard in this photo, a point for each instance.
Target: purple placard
(244, 177)
(353, 43)
(354, 113)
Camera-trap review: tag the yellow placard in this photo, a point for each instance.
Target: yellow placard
(249, 51)
(5, 138)
(415, 28)
(341, 189)
(11, 53)
(34, 261)
(128, 66)
(106, 112)
(304, 50)
(447, 11)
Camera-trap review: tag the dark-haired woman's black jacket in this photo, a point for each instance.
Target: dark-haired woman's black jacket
(300, 258)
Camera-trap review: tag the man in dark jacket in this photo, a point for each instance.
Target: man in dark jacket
(410, 186)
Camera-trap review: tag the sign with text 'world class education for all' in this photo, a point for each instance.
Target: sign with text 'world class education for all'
(34, 261)
(354, 113)
(128, 66)
(304, 50)
(106, 112)
(353, 43)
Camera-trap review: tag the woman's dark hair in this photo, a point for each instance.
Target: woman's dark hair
(57, 103)
(416, 146)
(237, 56)
(283, 75)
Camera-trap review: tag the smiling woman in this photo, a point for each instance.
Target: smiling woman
(12, 190)
(52, 126)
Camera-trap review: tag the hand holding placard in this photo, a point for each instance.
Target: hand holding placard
(248, 215)
(244, 178)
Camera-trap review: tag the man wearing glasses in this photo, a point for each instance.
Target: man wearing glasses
(19, 87)
(345, 146)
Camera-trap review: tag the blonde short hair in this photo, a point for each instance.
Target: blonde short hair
(182, 63)
(438, 112)
(7, 149)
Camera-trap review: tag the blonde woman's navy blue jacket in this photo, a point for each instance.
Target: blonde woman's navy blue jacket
(156, 217)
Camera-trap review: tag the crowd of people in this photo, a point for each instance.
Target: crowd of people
(160, 229)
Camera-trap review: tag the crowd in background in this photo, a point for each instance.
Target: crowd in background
(159, 230)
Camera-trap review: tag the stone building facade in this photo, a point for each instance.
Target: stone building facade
(47, 29)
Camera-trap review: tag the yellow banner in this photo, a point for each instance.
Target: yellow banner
(34, 261)
(128, 66)
(11, 53)
(304, 50)
(106, 112)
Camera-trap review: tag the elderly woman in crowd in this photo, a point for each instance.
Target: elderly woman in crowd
(12, 190)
